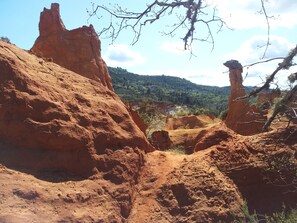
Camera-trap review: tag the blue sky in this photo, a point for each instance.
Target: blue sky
(155, 54)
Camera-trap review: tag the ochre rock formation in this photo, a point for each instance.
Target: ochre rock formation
(57, 119)
(242, 117)
(213, 136)
(137, 119)
(57, 128)
(182, 132)
(67, 124)
(185, 122)
(184, 139)
(161, 140)
(58, 197)
(244, 159)
(195, 191)
(209, 185)
(78, 50)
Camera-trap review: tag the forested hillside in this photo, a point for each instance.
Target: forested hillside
(173, 90)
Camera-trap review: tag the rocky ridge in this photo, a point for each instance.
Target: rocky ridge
(62, 111)
(71, 151)
(78, 50)
(55, 120)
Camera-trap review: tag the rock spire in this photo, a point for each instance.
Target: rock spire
(242, 117)
(78, 50)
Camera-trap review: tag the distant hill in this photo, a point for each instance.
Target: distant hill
(174, 90)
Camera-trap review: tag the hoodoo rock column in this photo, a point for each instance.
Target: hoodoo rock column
(242, 117)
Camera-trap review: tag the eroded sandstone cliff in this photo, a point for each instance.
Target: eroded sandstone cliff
(66, 119)
(70, 151)
(55, 120)
(78, 50)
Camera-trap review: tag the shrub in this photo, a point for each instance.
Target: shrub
(282, 171)
(5, 39)
(279, 217)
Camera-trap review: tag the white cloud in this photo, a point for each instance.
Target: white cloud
(173, 47)
(245, 14)
(198, 76)
(209, 77)
(249, 52)
(253, 49)
(120, 55)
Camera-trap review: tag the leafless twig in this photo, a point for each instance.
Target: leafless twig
(281, 106)
(263, 61)
(285, 64)
(195, 12)
(263, 10)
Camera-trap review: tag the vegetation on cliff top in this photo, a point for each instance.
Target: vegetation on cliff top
(166, 89)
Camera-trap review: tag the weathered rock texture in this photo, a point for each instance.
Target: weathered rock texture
(137, 119)
(78, 50)
(242, 117)
(246, 161)
(181, 188)
(62, 127)
(213, 136)
(198, 192)
(182, 132)
(209, 185)
(161, 140)
(185, 122)
(56, 119)
(27, 198)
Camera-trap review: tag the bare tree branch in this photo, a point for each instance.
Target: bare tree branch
(192, 16)
(285, 64)
(281, 106)
(263, 10)
(195, 13)
(264, 61)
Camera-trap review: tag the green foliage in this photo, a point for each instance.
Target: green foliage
(248, 217)
(223, 114)
(279, 217)
(182, 111)
(283, 217)
(5, 39)
(152, 116)
(173, 90)
(185, 110)
(201, 111)
(282, 163)
(282, 171)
